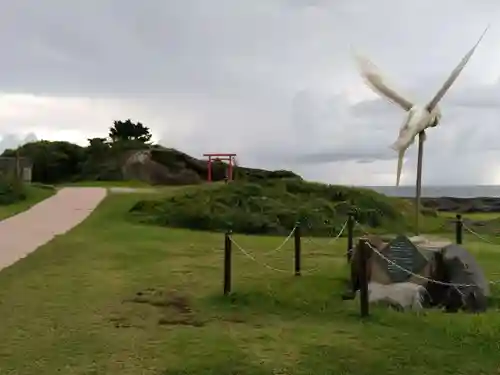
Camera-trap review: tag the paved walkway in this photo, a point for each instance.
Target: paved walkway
(22, 234)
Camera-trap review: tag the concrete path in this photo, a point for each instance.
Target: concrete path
(22, 234)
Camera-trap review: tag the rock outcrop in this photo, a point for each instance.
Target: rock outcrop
(167, 166)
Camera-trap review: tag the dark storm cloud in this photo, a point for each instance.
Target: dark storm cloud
(273, 80)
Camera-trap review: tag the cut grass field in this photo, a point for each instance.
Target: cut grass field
(114, 297)
(479, 216)
(35, 194)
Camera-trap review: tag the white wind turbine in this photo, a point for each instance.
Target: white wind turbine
(419, 117)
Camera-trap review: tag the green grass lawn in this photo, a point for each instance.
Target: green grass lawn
(35, 194)
(113, 297)
(473, 215)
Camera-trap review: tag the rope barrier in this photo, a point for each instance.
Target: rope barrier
(280, 246)
(473, 232)
(331, 240)
(376, 251)
(284, 241)
(250, 256)
(264, 264)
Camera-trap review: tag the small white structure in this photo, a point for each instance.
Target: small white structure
(22, 166)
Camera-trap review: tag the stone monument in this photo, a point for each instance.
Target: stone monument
(450, 274)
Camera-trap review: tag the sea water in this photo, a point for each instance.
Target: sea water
(441, 191)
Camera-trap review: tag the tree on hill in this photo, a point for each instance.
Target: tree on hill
(127, 131)
(97, 146)
(101, 161)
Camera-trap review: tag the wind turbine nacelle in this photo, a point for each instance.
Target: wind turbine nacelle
(435, 118)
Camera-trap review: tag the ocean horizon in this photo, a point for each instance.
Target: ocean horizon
(459, 191)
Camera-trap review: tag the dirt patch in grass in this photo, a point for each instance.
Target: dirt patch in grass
(175, 307)
(121, 322)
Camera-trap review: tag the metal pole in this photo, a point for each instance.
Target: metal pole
(350, 234)
(418, 192)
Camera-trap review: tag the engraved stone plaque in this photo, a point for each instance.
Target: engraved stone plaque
(404, 253)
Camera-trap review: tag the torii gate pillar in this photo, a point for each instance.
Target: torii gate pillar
(230, 158)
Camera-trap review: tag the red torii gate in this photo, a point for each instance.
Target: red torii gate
(230, 158)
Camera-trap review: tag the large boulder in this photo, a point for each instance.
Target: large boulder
(140, 166)
(469, 287)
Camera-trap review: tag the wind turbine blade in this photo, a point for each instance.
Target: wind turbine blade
(374, 79)
(454, 75)
(401, 156)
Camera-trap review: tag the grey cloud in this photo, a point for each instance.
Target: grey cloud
(365, 156)
(481, 98)
(14, 140)
(124, 46)
(267, 79)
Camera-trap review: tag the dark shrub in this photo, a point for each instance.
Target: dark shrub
(11, 190)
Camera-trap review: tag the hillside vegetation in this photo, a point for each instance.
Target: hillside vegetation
(273, 207)
(126, 154)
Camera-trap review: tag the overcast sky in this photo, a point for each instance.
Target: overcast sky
(272, 80)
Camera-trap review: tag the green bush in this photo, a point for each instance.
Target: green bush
(12, 190)
(272, 207)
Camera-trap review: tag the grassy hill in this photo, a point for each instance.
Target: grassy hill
(274, 206)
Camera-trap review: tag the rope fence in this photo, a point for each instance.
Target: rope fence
(251, 257)
(331, 241)
(295, 233)
(350, 225)
(477, 235)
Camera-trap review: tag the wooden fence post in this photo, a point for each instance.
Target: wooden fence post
(459, 229)
(228, 245)
(298, 249)
(350, 233)
(364, 249)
